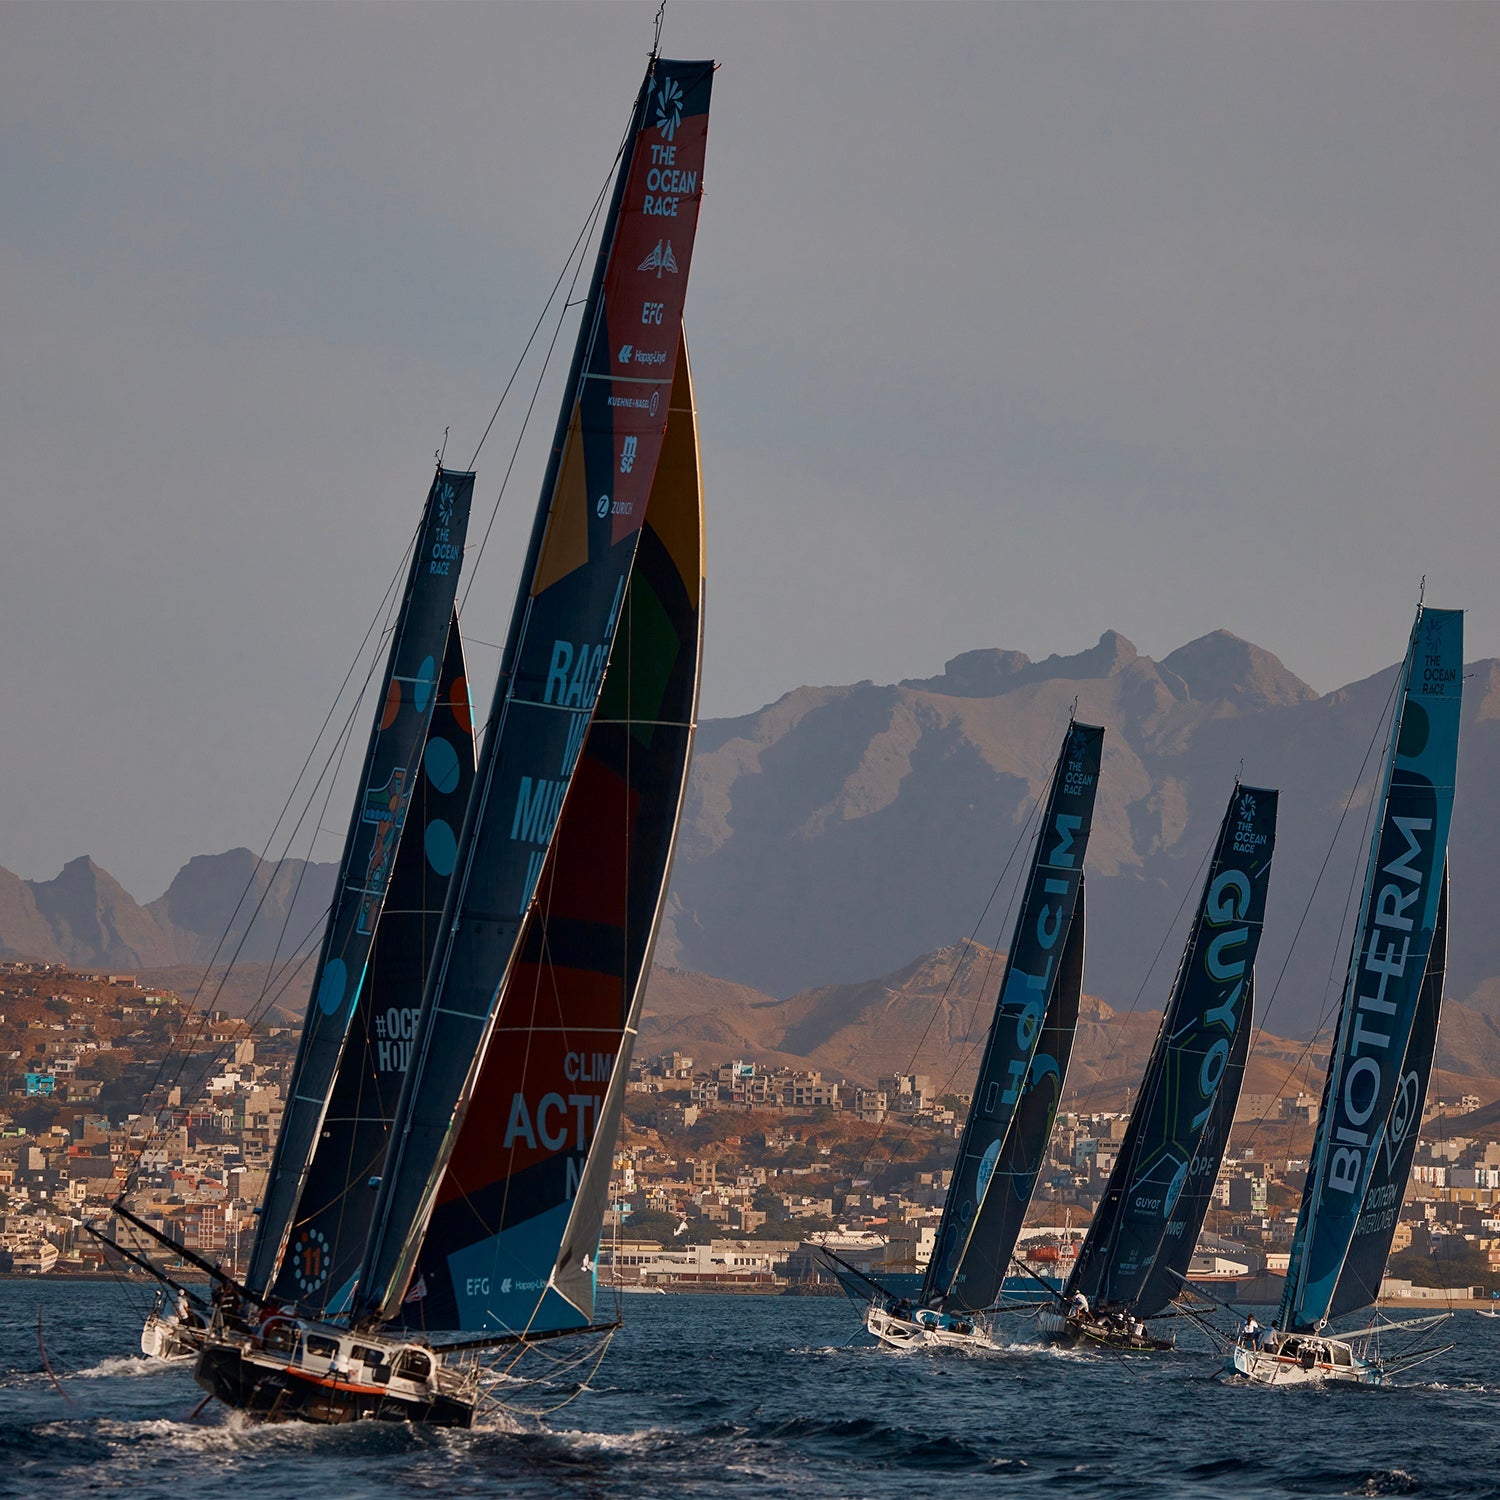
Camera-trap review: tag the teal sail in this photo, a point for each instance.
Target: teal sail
(1387, 966)
(1032, 970)
(1005, 1197)
(403, 715)
(1370, 1248)
(1209, 1008)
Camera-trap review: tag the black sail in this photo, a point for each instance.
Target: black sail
(332, 1220)
(1031, 975)
(1185, 1222)
(1370, 1248)
(1189, 1063)
(390, 773)
(1005, 1197)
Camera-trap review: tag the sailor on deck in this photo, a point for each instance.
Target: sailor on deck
(1249, 1330)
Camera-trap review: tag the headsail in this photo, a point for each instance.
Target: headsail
(1364, 1267)
(1031, 976)
(1208, 1009)
(405, 709)
(594, 503)
(332, 1218)
(511, 1242)
(1387, 966)
(1006, 1197)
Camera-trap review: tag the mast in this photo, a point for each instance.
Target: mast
(593, 506)
(1030, 979)
(1208, 1009)
(1387, 964)
(402, 717)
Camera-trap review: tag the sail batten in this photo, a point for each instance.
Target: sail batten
(1031, 978)
(1388, 966)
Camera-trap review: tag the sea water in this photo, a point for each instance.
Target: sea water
(752, 1397)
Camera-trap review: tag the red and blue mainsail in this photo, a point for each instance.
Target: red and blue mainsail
(576, 588)
(1388, 968)
(392, 766)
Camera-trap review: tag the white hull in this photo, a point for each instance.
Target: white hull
(1304, 1360)
(927, 1330)
(167, 1336)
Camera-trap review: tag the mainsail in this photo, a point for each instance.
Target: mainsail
(1387, 974)
(511, 1241)
(1007, 1195)
(961, 1267)
(403, 717)
(332, 1218)
(1364, 1266)
(1205, 1019)
(574, 590)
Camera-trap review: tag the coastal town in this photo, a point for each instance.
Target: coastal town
(729, 1176)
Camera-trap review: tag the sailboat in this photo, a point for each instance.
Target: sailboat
(381, 931)
(1382, 1055)
(1018, 1088)
(408, 1242)
(1142, 1236)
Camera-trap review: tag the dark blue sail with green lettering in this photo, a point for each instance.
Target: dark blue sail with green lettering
(1006, 1195)
(574, 583)
(1184, 1222)
(1189, 1064)
(1387, 965)
(331, 1221)
(1032, 971)
(391, 768)
(1370, 1248)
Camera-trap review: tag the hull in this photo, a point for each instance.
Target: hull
(1304, 1360)
(927, 1331)
(1090, 1333)
(291, 1371)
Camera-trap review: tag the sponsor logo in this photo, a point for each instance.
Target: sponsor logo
(624, 354)
(660, 260)
(627, 454)
(669, 108)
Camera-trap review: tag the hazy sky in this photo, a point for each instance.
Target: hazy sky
(1010, 324)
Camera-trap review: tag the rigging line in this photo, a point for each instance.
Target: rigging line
(536, 391)
(1331, 1000)
(197, 995)
(1125, 1015)
(964, 945)
(590, 219)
